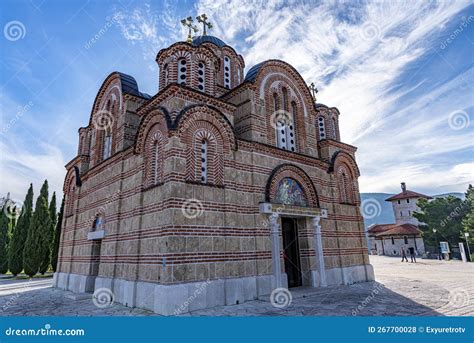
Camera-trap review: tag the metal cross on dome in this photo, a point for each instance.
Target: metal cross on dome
(188, 22)
(314, 90)
(203, 19)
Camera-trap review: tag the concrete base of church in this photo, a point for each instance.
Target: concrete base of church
(350, 275)
(185, 297)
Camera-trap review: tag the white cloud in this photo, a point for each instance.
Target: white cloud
(355, 54)
(19, 167)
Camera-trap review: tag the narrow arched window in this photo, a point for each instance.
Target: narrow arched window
(182, 68)
(227, 71)
(343, 188)
(321, 127)
(155, 163)
(291, 136)
(275, 102)
(204, 147)
(165, 75)
(334, 128)
(107, 150)
(285, 99)
(201, 76)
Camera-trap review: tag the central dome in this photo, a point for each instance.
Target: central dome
(208, 39)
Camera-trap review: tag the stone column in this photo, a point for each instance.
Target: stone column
(318, 246)
(275, 235)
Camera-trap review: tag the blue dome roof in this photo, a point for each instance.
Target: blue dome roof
(252, 73)
(208, 39)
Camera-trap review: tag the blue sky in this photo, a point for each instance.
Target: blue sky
(400, 72)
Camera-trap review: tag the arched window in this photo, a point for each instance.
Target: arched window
(345, 186)
(285, 99)
(155, 164)
(227, 79)
(276, 106)
(201, 76)
(291, 137)
(182, 71)
(322, 127)
(107, 150)
(165, 74)
(204, 147)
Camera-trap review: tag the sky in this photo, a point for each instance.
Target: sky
(400, 72)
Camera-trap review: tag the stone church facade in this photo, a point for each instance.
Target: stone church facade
(228, 183)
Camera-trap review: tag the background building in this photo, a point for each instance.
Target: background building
(389, 239)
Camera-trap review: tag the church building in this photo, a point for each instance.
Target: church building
(232, 183)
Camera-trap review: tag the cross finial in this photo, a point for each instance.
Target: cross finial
(205, 24)
(188, 22)
(314, 90)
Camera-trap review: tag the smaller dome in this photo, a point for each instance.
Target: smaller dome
(208, 39)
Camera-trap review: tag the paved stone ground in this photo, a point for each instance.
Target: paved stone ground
(427, 288)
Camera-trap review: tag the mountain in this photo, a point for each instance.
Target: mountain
(376, 210)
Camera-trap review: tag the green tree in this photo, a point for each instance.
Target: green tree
(468, 221)
(49, 236)
(38, 232)
(57, 237)
(443, 214)
(4, 232)
(17, 244)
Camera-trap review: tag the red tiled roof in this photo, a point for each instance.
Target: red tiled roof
(393, 230)
(406, 195)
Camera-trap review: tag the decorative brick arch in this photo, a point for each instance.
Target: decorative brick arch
(155, 143)
(346, 174)
(157, 116)
(198, 123)
(69, 189)
(274, 76)
(107, 110)
(295, 173)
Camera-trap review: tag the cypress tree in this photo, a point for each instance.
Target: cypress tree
(4, 223)
(49, 236)
(57, 237)
(17, 244)
(38, 232)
